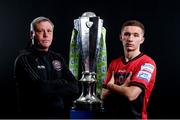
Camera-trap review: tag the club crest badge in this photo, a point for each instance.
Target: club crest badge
(56, 65)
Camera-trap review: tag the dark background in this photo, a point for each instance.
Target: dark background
(160, 17)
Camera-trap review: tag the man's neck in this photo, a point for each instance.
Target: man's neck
(129, 55)
(41, 49)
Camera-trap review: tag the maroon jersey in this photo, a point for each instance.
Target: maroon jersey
(143, 70)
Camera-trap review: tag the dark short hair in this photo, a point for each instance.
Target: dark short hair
(133, 23)
(38, 20)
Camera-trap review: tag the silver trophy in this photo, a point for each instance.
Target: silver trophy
(89, 28)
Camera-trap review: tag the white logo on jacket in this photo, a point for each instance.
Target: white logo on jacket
(56, 65)
(41, 67)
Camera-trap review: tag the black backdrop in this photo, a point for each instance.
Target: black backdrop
(160, 18)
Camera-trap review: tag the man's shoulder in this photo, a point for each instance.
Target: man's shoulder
(53, 53)
(56, 55)
(116, 60)
(147, 58)
(22, 56)
(23, 53)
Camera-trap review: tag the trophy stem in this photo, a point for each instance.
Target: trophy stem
(88, 99)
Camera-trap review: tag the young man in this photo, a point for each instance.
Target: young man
(46, 87)
(131, 77)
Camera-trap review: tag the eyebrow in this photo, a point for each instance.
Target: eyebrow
(130, 33)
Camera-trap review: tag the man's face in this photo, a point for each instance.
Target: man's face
(43, 35)
(132, 37)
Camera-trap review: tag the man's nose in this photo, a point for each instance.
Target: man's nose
(130, 37)
(45, 34)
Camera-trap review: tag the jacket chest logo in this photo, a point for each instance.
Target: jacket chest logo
(57, 65)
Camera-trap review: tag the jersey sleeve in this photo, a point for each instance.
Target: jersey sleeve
(144, 75)
(109, 73)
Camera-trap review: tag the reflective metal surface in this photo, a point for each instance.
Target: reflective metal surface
(88, 99)
(89, 28)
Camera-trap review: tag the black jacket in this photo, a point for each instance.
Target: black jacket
(45, 84)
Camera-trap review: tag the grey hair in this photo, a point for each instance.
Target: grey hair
(38, 20)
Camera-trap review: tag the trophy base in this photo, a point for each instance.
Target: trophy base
(87, 106)
(88, 101)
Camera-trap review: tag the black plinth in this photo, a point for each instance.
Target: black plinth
(86, 106)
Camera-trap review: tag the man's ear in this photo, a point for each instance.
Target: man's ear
(120, 37)
(32, 34)
(142, 40)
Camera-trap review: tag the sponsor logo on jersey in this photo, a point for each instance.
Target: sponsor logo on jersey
(147, 67)
(56, 65)
(144, 75)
